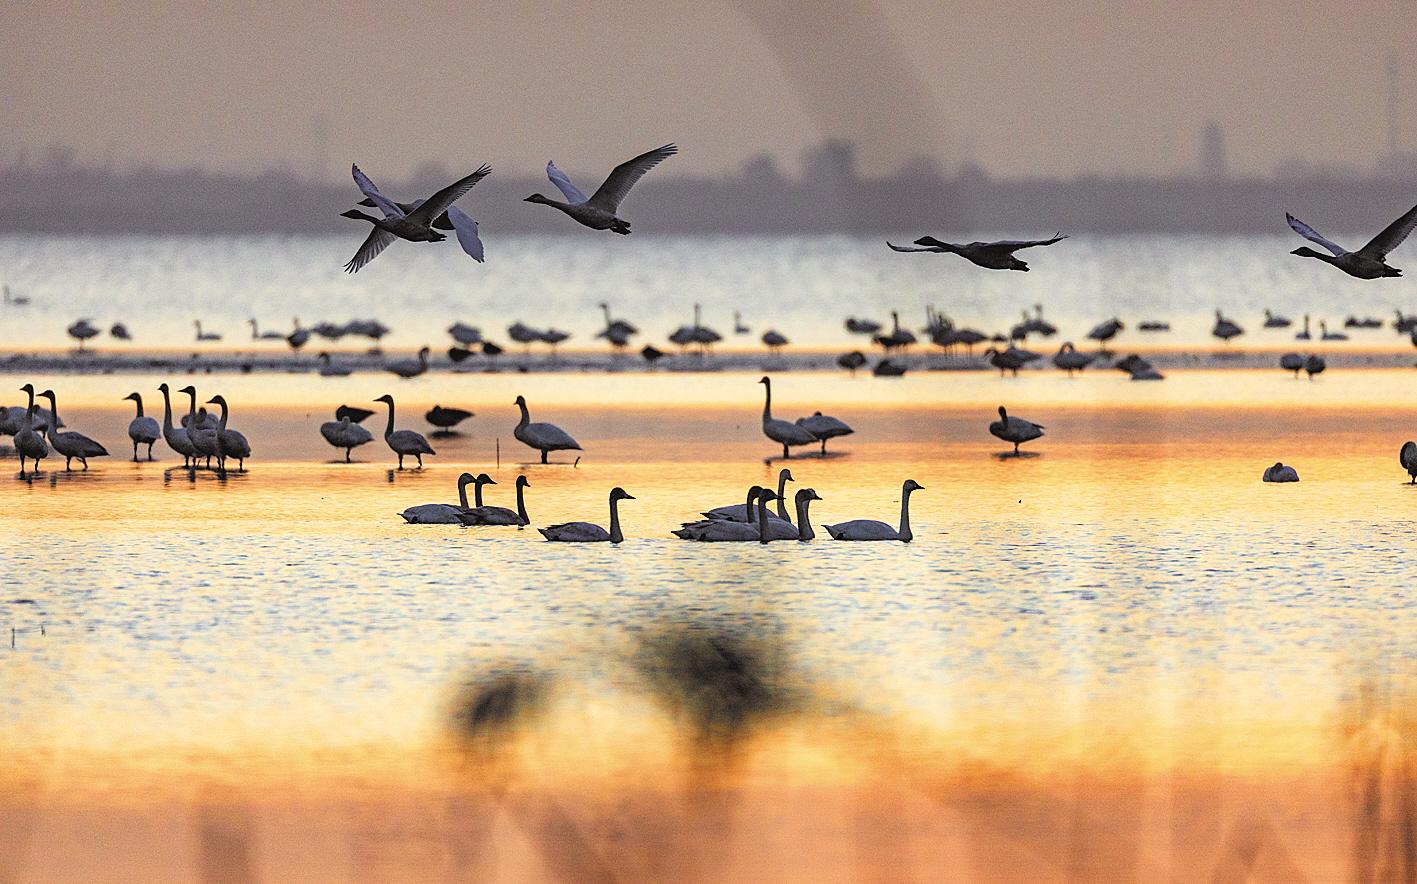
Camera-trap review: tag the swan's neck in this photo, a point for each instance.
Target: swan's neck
(804, 525)
(462, 495)
(53, 419)
(904, 531)
(762, 520)
(389, 427)
(139, 402)
(605, 308)
(781, 490)
(476, 495)
(767, 401)
(166, 412)
(521, 505)
(221, 422)
(526, 416)
(615, 535)
(748, 505)
(192, 412)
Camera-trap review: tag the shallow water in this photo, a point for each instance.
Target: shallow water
(803, 286)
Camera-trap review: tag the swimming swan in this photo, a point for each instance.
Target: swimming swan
(869, 529)
(589, 532)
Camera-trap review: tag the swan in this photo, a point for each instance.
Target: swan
(410, 368)
(738, 327)
(358, 415)
(851, 361)
(1292, 362)
(888, 369)
(1225, 329)
(524, 334)
(1315, 364)
(1139, 369)
(775, 340)
(1303, 335)
(704, 336)
(404, 442)
(500, 515)
(782, 432)
(1106, 331)
(1366, 263)
(330, 331)
(205, 336)
(1326, 335)
(1036, 324)
(598, 211)
(233, 444)
(1272, 321)
(70, 444)
(13, 417)
(446, 513)
(1281, 473)
(1154, 325)
(724, 531)
(1408, 458)
(446, 418)
(542, 436)
(176, 437)
(617, 331)
(1404, 324)
(684, 335)
(13, 300)
(328, 368)
(465, 334)
(858, 326)
(344, 433)
(898, 339)
(589, 532)
(204, 419)
(743, 512)
(142, 430)
(1011, 359)
(824, 427)
(802, 501)
(989, 255)
(298, 336)
(870, 529)
(120, 331)
(205, 437)
(1015, 429)
(553, 337)
(417, 224)
(651, 354)
(28, 443)
(258, 335)
(1070, 360)
(81, 331)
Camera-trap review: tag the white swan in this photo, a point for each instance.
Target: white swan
(1326, 335)
(71, 445)
(415, 225)
(870, 529)
(298, 336)
(747, 511)
(204, 436)
(404, 443)
(589, 532)
(410, 368)
(1408, 458)
(1315, 364)
(1105, 331)
(898, 339)
(465, 334)
(724, 531)
(447, 513)
(824, 427)
(176, 437)
(1015, 429)
(1272, 321)
(205, 336)
(1011, 359)
(29, 443)
(258, 335)
(775, 340)
(543, 437)
(343, 433)
(233, 444)
(500, 515)
(784, 433)
(142, 430)
(598, 211)
(1369, 261)
(617, 331)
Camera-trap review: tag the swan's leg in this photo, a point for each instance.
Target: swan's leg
(135, 451)
(824, 447)
(346, 455)
(785, 454)
(85, 462)
(1015, 449)
(420, 460)
(68, 461)
(150, 451)
(400, 461)
(543, 455)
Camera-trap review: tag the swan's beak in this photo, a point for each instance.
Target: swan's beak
(628, 497)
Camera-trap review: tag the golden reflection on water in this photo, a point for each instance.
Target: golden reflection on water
(1129, 614)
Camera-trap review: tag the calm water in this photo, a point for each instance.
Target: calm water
(802, 286)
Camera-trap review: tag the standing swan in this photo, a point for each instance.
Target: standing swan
(589, 532)
(499, 515)
(343, 433)
(1408, 458)
(233, 444)
(71, 445)
(205, 439)
(783, 432)
(176, 437)
(142, 430)
(870, 529)
(824, 427)
(542, 436)
(404, 442)
(1015, 429)
(27, 442)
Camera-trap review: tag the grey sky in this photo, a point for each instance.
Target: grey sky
(1030, 89)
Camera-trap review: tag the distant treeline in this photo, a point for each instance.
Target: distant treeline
(75, 199)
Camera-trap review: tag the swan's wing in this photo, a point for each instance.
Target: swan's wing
(376, 242)
(896, 248)
(615, 188)
(386, 205)
(1013, 245)
(1392, 237)
(571, 192)
(439, 202)
(1313, 235)
(467, 233)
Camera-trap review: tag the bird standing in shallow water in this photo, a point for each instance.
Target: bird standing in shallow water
(1408, 458)
(1015, 429)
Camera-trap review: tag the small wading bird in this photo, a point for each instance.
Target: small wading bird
(1366, 263)
(598, 211)
(989, 255)
(415, 225)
